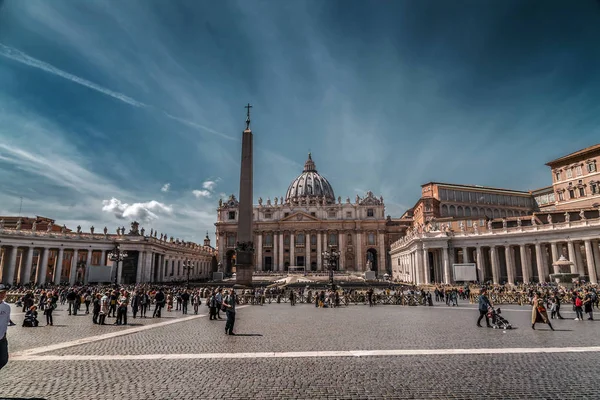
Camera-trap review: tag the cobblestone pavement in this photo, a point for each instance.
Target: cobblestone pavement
(282, 328)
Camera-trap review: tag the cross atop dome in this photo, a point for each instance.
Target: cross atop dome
(248, 107)
(309, 165)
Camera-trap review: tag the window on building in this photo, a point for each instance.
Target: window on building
(313, 239)
(313, 214)
(579, 170)
(371, 238)
(569, 173)
(557, 176)
(581, 191)
(285, 215)
(332, 239)
(443, 194)
(591, 167)
(348, 214)
(231, 214)
(331, 214)
(268, 215)
(482, 222)
(349, 239)
(594, 187)
(561, 196)
(571, 193)
(300, 238)
(469, 223)
(269, 239)
(370, 212)
(286, 239)
(230, 241)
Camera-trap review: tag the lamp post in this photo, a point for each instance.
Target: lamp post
(117, 256)
(331, 256)
(188, 266)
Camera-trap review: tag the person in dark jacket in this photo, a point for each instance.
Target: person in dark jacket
(185, 298)
(96, 308)
(484, 304)
(159, 298)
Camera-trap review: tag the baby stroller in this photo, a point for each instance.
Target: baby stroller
(498, 322)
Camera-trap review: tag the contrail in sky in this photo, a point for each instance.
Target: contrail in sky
(23, 58)
(19, 56)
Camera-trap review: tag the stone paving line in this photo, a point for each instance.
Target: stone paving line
(310, 354)
(92, 339)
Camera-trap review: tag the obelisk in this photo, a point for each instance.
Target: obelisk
(244, 253)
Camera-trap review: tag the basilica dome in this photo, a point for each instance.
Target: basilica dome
(310, 185)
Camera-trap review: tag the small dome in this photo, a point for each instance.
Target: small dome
(310, 184)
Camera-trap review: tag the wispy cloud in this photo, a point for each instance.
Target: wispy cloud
(201, 193)
(165, 187)
(144, 212)
(210, 185)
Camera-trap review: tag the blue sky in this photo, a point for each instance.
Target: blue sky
(112, 111)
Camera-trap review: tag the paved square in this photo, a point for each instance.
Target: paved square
(302, 352)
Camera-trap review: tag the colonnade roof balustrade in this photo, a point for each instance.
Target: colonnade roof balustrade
(530, 226)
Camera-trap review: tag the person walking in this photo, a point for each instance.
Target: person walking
(159, 298)
(144, 300)
(484, 304)
(184, 299)
(96, 308)
(538, 312)
(4, 322)
(229, 303)
(212, 307)
(588, 304)
(219, 298)
(578, 305)
(196, 302)
(104, 308)
(48, 312)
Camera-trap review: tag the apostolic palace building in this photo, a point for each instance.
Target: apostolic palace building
(510, 236)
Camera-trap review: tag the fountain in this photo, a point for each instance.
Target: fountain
(564, 277)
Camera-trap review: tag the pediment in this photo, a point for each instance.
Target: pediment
(299, 216)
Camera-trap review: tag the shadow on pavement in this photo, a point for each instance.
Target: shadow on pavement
(248, 334)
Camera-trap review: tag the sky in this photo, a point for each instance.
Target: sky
(134, 110)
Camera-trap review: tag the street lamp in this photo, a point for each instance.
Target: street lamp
(331, 257)
(188, 265)
(117, 256)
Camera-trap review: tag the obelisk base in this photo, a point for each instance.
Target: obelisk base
(244, 268)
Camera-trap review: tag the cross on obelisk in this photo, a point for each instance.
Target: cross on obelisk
(244, 258)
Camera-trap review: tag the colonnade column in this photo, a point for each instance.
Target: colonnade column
(25, 277)
(275, 265)
(465, 252)
(103, 258)
(73, 271)
(43, 269)
(495, 269)
(510, 265)
(12, 266)
(596, 251)
(359, 256)
(480, 263)
(540, 262)
(579, 258)
(555, 256)
(571, 249)
(421, 274)
(446, 265)
(525, 264)
(425, 258)
(59, 265)
(382, 253)
(88, 264)
(341, 263)
(319, 251)
(259, 257)
(589, 256)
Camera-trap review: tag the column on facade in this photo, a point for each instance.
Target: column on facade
(495, 267)
(307, 250)
(292, 248)
(546, 261)
(139, 271)
(525, 263)
(73, 270)
(341, 250)
(465, 252)
(589, 256)
(319, 251)
(510, 265)
(421, 274)
(119, 266)
(259, 255)
(539, 258)
(555, 256)
(596, 251)
(281, 251)
(382, 254)
(59, 265)
(40, 277)
(446, 265)
(275, 258)
(480, 263)
(11, 268)
(579, 258)
(103, 258)
(359, 255)
(162, 271)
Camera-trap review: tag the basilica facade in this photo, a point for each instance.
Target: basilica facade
(293, 232)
